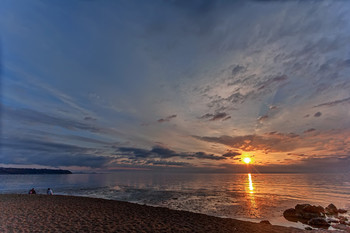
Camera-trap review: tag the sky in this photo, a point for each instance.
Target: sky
(190, 86)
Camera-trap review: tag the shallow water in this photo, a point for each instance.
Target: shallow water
(260, 196)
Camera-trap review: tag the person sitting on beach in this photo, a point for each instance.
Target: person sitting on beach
(49, 191)
(32, 191)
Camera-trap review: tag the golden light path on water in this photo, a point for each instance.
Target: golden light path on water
(253, 207)
(251, 188)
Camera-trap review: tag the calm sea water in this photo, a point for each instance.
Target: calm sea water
(242, 196)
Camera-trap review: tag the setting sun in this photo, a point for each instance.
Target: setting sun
(247, 160)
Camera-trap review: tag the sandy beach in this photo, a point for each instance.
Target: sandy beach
(42, 213)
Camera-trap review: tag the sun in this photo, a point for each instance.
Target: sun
(247, 160)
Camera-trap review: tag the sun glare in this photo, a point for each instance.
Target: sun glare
(247, 160)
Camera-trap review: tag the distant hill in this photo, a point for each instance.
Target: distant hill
(8, 171)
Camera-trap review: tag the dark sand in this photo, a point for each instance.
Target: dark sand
(42, 213)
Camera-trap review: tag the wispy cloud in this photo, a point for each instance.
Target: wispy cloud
(168, 118)
(333, 103)
(216, 116)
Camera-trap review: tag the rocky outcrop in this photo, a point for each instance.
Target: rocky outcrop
(316, 216)
(304, 211)
(342, 211)
(331, 210)
(318, 222)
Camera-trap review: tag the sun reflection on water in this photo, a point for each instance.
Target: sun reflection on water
(253, 207)
(251, 188)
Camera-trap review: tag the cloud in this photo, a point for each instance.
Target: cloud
(317, 114)
(237, 69)
(261, 119)
(231, 154)
(28, 151)
(268, 143)
(327, 163)
(88, 118)
(309, 130)
(164, 153)
(226, 118)
(167, 163)
(33, 117)
(333, 103)
(217, 116)
(168, 118)
(272, 81)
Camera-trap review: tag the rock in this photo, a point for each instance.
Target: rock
(265, 222)
(318, 222)
(342, 211)
(343, 220)
(341, 227)
(314, 209)
(308, 211)
(299, 207)
(291, 214)
(331, 209)
(332, 220)
(308, 228)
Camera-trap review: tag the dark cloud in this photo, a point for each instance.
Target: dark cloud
(237, 69)
(166, 163)
(309, 130)
(28, 151)
(164, 153)
(268, 143)
(89, 118)
(168, 118)
(203, 155)
(231, 154)
(134, 152)
(333, 103)
(217, 116)
(42, 146)
(271, 81)
(317, 114)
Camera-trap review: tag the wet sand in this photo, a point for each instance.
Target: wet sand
(42, 213)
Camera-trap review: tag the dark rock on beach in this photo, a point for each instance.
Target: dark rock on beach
(318, 222)
(304, 211)
(265, 222)
(342, 211)
(290, 213)
(317, 216)
(342, 227)
(331, 210)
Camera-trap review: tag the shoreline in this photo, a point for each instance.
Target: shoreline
(60, 213)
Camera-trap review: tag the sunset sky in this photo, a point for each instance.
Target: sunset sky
(176, 85)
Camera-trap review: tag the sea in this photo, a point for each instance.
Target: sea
(250, 197)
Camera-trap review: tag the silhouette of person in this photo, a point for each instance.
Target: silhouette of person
(49, 191)
(32, 191)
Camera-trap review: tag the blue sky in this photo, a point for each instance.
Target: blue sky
(184, 85)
